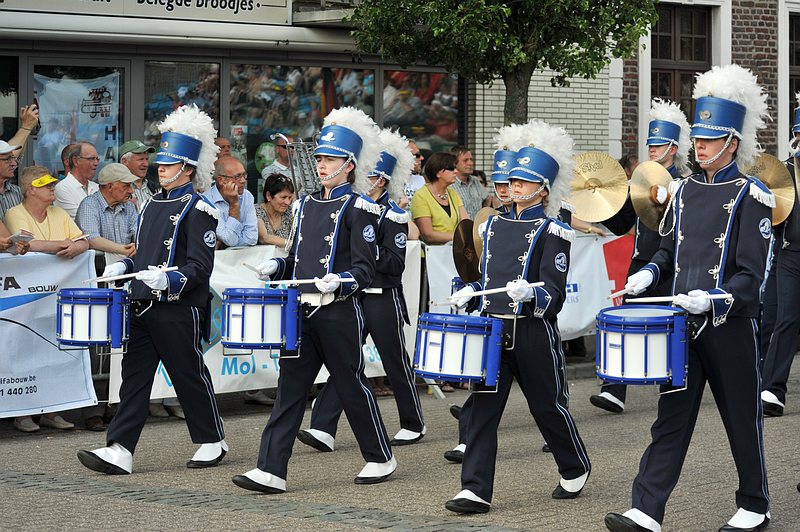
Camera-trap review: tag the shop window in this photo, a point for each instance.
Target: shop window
(168, 85)
(424, 106)
(9, 108)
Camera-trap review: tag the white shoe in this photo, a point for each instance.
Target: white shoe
(769, 397)
(746, 519)
(319, 440)
(643, 520)
(208, 455)
(375, 472)
(158, 410)
(112, 460)
(407, 437)
(257, 480)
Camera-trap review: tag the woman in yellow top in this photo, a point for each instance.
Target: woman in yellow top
(436, 208)
(53, 229)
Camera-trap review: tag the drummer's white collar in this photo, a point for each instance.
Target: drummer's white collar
(529, 213)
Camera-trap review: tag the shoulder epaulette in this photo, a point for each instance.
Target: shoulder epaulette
(567, 206)
(761, 193)
(397, 214)
(366, 204)
(561, 230)
(207, 207)
(674, 185)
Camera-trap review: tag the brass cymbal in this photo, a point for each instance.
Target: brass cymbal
(644, 180)
(481, 217)
(772, 172)
(464, 256)
(599, 186)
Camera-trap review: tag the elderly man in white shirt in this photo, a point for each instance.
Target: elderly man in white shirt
(77, 186)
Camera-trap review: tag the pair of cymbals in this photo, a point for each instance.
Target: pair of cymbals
(773, 173)
(468, 245)
(599, 186)
(645, 181)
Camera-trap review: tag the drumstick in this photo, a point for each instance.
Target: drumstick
(292, 282)
(453, 297)
(617, 294)
(670, 299)
(251, 267)
(124, 276)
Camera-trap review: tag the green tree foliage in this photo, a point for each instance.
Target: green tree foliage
(482, 40)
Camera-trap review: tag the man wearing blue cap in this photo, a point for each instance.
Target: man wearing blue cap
(783, 343)
(667, 144)
(169, 309)
(527, 245)
(714, 252)
(334, 243)
(385, 313)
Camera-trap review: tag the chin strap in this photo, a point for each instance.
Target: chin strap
(338, 170)
(527, 196)
(173, 178)
(718, 155)
(665, 152)
(794, 147)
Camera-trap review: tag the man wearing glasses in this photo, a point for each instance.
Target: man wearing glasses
(10, 194)
(237, 225)
(279, 166)
(78, 184)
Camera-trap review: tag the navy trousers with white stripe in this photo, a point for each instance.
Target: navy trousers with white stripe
(727, 358)
(331, 336)
(537, 363)
(172, 334)
(383, 316)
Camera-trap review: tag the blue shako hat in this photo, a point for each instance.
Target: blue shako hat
(178, 148)
(385, 166)
(533, 164)
(796, 125)
(717, 117)
(339, 141)
(504, 161)
(661, 132)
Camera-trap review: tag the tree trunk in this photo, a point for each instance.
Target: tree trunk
(517, 82)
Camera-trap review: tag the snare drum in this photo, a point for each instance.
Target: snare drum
(260, 318)
(642, 344)
(92, 317)
(458, 348)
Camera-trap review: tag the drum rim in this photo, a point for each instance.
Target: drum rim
(433, 317)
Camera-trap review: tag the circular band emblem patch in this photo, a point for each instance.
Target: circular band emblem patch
(210, 238)
(369, 233)
(561, 262)
(765, 226)
(400, 240)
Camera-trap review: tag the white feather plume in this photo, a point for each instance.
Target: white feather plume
(355, 120)
(190, 120)
(510, 137)
(396, 144)
(671, 112)
(732, 82)
(558, 144)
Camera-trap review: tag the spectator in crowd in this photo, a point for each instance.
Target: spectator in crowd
(437, 208)
(472, 192)
(225, 147)
(279, 166)
(275, 213)
(10, 194)
(415, 181)
(65, 161)
(134, 155)
(29, 117)
(53, 232)
(6, 244)
(106, 217)
(238, 225)
(629, 162)
(70, 191)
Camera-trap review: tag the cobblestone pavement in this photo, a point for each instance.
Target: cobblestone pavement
(44, 487)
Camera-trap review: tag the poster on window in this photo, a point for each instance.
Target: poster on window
(73, 110)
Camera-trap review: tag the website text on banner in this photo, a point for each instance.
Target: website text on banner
(35, 375)
(257, 369)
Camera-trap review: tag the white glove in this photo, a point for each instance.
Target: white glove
(661, 195)
(639, 282)
(328, 284)
(154, 277)
(519, 290)
(695, 301)
(114, 269)
(267, 269)
(461, 297)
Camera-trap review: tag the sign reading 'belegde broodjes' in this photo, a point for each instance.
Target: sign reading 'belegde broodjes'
(244, 11)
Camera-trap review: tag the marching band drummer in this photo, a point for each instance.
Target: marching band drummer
(385, 313)
(335, 243)
(169, 310)
(718, 246)
(526, 245)
(667, 144)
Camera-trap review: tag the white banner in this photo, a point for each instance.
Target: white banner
(35, 376)
(257, 370)
(441, 269)
(74, 110)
